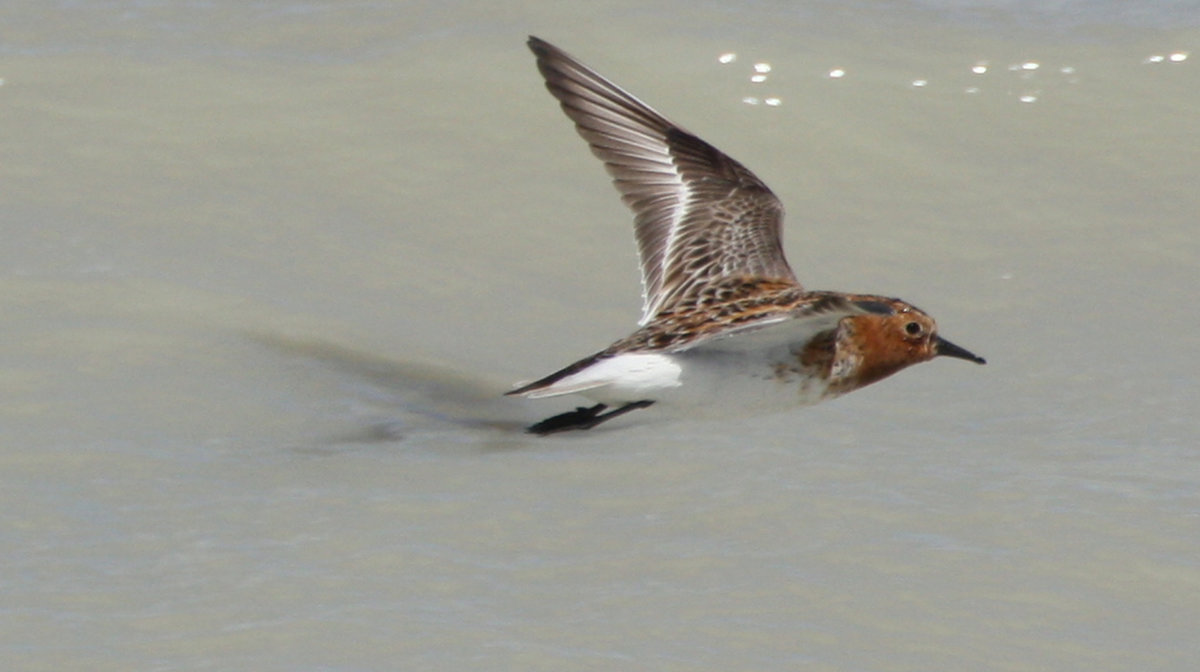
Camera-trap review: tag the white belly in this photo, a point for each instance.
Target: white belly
(704, 381)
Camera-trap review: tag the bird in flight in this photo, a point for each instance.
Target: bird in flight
(726, 327)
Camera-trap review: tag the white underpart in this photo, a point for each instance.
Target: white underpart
(752, 371)
(620, 379)
(699, 382)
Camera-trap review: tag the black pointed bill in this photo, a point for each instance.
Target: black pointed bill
(947, 349)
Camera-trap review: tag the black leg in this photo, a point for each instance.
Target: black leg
(582, 417)
(576, 419)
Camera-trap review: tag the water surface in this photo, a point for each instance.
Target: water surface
(267, 268)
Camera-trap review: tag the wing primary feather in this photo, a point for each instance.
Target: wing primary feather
(699, 215)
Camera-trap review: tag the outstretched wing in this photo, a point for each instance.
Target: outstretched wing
(699, 216)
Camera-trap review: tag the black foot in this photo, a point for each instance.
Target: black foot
(582, 417)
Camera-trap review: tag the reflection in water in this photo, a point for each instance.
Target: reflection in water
(425, 397)
(1176, 57)
(1018, 80)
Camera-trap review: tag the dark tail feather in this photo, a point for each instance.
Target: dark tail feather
(558, 375)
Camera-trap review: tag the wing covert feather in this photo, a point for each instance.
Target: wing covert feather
(699, 216)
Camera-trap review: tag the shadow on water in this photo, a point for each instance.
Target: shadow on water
(421, 398)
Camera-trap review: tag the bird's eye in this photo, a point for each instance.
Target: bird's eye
(913, 328)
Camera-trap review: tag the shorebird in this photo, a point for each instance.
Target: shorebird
(725, 325)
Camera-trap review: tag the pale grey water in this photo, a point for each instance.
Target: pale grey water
(266, 268)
